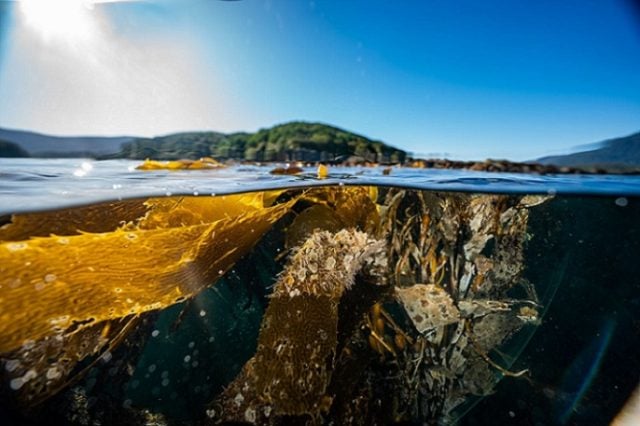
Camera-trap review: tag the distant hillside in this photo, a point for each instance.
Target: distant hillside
(8, 149)
(39, 145)
(612, 153)
(296, 141)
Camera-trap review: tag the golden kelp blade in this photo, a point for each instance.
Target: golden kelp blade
(103, 217)
(136, 214)
(184, 211)
(49, 284)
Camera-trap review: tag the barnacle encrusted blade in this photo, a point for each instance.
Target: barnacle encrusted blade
(293, 365)
(83, 279)
(39, 369)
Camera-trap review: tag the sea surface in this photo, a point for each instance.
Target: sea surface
(234, 295)
(37, 184)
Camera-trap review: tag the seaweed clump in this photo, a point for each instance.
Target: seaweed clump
(393, 306)
(418, 348)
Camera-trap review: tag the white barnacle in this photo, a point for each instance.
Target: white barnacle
(302, 274)
(239, 399)
(347, 261)
(31, 374)
(53, 373)
(11, 365)
(330, 263)
(250, 415)
(16, 383)
(294, 293)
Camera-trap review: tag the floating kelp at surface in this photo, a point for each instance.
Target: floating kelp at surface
(394, 299)
(202, 163)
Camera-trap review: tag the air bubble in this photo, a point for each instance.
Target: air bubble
(622, 202)
(155, 333)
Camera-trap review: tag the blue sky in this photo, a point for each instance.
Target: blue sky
(466, 79)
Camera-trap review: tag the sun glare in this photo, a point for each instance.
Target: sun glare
(59, 19)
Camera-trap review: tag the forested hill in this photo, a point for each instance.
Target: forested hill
(47, 146)
(8, 149)
(296, 141)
